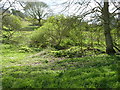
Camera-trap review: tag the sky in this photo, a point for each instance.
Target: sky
(53, 4)
(58, 7)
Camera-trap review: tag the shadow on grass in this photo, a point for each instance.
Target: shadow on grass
(116, 66)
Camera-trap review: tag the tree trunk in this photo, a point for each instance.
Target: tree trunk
(39, 22)
(118, 26)
(108, 37)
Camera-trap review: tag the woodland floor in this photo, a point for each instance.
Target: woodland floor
(39, 70)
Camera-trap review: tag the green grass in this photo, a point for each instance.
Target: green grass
(25, 70)
(10, 55)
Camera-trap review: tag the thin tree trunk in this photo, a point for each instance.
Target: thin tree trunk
(108, 37)
(39, 22)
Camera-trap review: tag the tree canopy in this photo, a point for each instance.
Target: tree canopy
(37, 10)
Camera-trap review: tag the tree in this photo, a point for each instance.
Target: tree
(105, 19)
(108, 37)
(54, 31)
(11, 24)
(37, 10)
(117, 5)
(5, 7)
(17, 13)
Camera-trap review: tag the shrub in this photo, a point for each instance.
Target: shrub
(25, 49)
(53, 32)
(71, 52)
(38, 38)
(11, 24)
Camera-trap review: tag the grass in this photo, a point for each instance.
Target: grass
(10, 55)
(25, 70)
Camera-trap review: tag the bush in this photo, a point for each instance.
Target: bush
(53, 33)
(38, 38)
(71, 52)
(11, 24)
(25, 49)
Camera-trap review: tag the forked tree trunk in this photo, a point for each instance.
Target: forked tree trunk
(108, 38)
